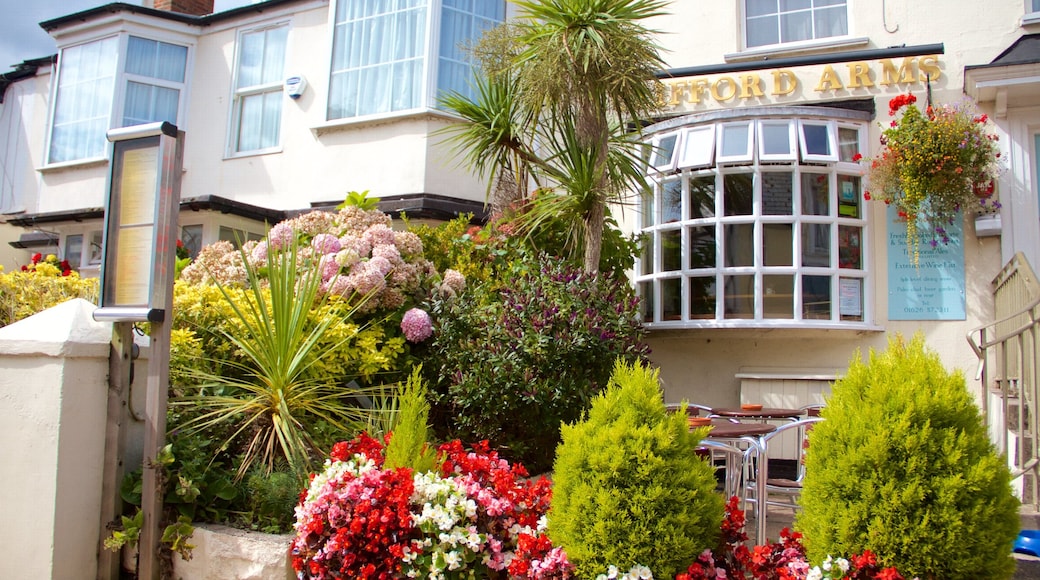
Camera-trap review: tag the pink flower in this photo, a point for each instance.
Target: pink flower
(280, 236)
(326, 243)
(416, 325)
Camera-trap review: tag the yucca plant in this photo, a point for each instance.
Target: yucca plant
(273, 400)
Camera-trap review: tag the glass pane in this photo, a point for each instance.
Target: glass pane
(816, 139)
(849, 248)
(702, 197)
(777, 189)
(251, 59)
(671, 250)
(74, 250)
(191, 237)
(94, 251)
(83, 105)
(762, 31)
(816, 245)
(648, 210)
(663, 151)
(831, 22)
(1036, 5)
(737, 193)
(776, 139)
(778, 244)
(739, 245)
(849, 196)
(850, 298)
(671, 201)
(796, 26)
(698, 147)
(149, 103)
(789, 5)
(158, 60)
(702, 247)
(702, 297)
(816, 194)
(646, 295)
(778, 301)
(816, 297)
(646, 261)
(739, 297)
(735, 140)
(671, 299)
(848, 143)
(760, 7)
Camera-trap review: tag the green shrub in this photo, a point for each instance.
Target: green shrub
(515, 356)
(409, 445)
(628, 487)
(903, 466)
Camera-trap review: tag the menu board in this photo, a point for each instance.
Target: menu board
(933, 289)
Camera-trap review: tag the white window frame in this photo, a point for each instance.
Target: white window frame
(658, 160)
(239, 94)
(121, 78)
(832, 141)
(1032, 12)
(720, 143)
(792, 151)
(698, 147)
(793, 43)
(658, 285)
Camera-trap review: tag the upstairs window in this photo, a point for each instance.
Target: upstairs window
(772, 22)
(89, 83)
(259, 73)
(382, 60)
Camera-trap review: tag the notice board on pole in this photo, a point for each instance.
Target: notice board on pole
(933, 289)
(140, 223)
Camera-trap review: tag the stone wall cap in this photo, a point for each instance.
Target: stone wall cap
(66, 330)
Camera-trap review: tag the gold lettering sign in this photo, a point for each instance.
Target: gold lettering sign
(783, 85)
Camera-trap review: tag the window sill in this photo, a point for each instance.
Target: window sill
(741, 330)
(77, 164)
(1031, 18)
(254, 153)
(381, 119)
(794, 48)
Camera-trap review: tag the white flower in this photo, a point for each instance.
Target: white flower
(827, 564)
(814, 574)
(612, 571)
(843, 564)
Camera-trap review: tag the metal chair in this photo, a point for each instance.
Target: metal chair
(734, 462)
(790, 488)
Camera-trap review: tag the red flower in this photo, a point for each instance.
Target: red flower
(857, 157)
(866, 195)
(37, 257)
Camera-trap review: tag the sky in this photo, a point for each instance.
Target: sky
(21, 37)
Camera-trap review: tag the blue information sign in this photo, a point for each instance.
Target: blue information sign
(934, 288)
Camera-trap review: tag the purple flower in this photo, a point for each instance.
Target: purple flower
(416, 325)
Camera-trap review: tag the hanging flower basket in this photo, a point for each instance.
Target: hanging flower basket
(932, 165)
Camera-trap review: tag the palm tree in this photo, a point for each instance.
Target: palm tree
(577, 73)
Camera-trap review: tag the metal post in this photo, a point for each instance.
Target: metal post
(119, 362)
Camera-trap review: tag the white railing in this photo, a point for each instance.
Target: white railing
(1009, 364)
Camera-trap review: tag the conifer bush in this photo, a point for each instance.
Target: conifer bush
(903, 466)
(628, 487)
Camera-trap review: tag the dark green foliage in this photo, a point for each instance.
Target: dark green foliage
(272, 498)
(515, 356)
(628, 486)
(903, 466)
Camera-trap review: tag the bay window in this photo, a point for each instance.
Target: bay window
(381, 56)
(90, 85)
(768, 234)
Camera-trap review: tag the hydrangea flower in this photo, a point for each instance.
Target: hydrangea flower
(416, 325)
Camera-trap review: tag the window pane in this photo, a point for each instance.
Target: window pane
(191, 237)
(462, 23)
(789, 5)
(671, 250)
(702, 247)
(1036, 5)
(663, 151)
(760, 7)
(739, 245)
(74, 250)
(849, 196)
(848, 143)
(776, 139)
(849, 249)
(698, 147)
(777, 189)
(646, 295)
(671, 201)
(647, 256)
(816, 245)
(796, 26)
(737, 193)
(148, 104)
(671, 299)
(83, 105)
(778, 244)
(702, 297)
(817, 140)
(762, 31)
(816, 194)
(778, 301)
(735, 140)
(648, 210)
(157, 60)
(850, 296)
(831, 22)
(702, 197)
(739, 296)
(95, 250)
(816, 297)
